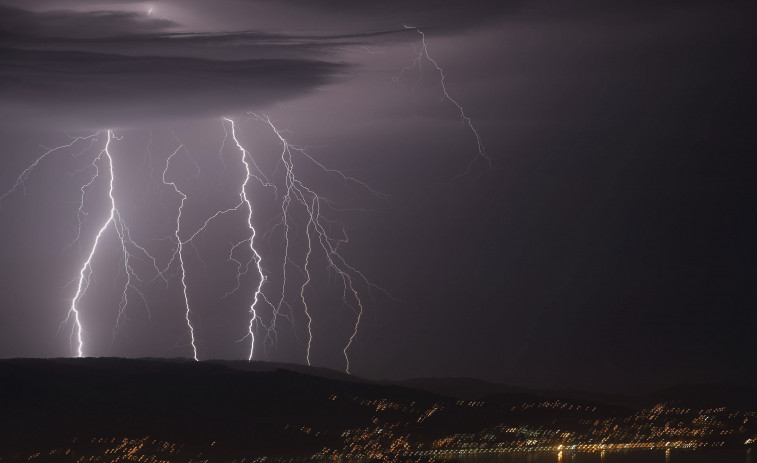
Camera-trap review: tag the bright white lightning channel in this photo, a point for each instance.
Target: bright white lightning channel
(255, 320)
(128, 248)
(122, 231)
(179, 252)
(316, 230)
(85, 274)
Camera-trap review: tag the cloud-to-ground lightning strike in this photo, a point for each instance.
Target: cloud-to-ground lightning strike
(255, 321)
(247, 161)
(295, 192)
(127, 246)
(422, 52)
(85, 273)
(20, 183)
(179, 252)
(122, 231)
(311, 202)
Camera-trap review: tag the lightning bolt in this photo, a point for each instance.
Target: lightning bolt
(304, 285)
(296, 191)
(422, 52)
(179, 252)
(115, 220)
(129, 249)
(255, 320)
(317, 234)
(252, 171)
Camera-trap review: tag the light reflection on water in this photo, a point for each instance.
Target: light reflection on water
(668, 456)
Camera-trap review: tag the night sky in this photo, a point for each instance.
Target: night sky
(609, 246)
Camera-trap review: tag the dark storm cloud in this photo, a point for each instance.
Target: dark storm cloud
(99, 88)
(121, 67)
(54, 65)
(62, 23)
(135, 33)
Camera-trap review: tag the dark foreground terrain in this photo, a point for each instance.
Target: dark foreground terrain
(114, 409)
